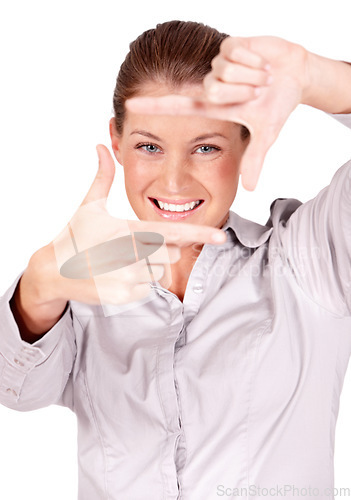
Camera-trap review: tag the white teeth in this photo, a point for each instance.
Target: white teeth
(178, 208)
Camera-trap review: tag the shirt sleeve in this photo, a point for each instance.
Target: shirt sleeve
(33, 375)
(344, 119)
(316, 242)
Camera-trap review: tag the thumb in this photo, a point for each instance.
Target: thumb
(252, 162)
(102, 183)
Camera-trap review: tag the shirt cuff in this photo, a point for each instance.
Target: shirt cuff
(20, 357)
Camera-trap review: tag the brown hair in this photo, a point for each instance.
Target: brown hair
(175, 53)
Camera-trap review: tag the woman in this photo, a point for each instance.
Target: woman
(225, 380)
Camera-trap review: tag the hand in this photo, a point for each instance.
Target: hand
(255, 81)
(88, 261)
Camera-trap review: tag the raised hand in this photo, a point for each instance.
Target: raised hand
(102, 259)
(254, 81)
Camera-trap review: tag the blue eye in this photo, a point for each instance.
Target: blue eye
(207, 149)
(149, 148)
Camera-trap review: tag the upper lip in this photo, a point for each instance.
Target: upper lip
(176, 202)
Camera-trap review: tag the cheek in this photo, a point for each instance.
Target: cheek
(137, 175)
(226, 172)
(226, 180)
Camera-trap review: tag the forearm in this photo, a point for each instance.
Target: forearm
(33, 320)
(329, 84)
(34, 376)
(34, 313)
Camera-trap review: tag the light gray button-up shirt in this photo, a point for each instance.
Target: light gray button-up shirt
(233, 392)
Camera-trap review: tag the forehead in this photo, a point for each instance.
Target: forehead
(182, 126)
(163, 88)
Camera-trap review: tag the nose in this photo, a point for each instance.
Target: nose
(175, 176)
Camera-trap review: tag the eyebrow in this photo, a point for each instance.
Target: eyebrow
(196, 139)
(147, 134)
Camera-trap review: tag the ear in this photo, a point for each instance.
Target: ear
(115, 140)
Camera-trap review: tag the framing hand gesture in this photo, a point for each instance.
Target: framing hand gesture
(255, 81)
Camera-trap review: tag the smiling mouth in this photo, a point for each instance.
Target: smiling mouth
(176, 208)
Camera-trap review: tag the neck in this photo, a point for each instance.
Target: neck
(176, 278)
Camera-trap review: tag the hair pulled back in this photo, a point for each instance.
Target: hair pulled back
(174, 53)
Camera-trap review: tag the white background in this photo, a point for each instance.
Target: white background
(59, 62)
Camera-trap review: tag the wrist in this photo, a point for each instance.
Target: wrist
(33, 317)
(309, 78)
(38, 278)
(327, 84)
(40, 286)
(33, 320)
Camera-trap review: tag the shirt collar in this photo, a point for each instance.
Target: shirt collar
(249, 233)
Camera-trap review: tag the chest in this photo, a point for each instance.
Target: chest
(247, 377)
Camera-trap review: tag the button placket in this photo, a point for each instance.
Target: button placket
(198, 288)
(194, 294)
(181, 339)
(167, 391)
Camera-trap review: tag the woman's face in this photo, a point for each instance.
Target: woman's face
(181, 161)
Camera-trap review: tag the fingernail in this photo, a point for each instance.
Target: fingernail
(257, 91)
(219, 237)
(267, 67)
(269, 80)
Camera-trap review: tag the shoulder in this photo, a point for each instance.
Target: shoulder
(281, 210)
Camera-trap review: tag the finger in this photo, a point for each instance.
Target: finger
(139, 272)
(155, 273)
(119, 286)
(252, 162)
(237, 50)
(174, 105)
(180, 233)
(229, 93)
(230, 72)
(159, 253)
(181, 105)
(120, 270)
(166, 105)
(148, 273)
(102, 183)
(166, 254)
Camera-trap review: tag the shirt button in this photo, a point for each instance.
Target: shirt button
(19, 362)
(198, 288)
